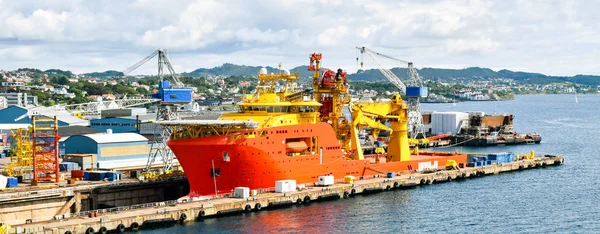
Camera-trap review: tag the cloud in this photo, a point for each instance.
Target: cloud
(87, 36)
(41, 24)
(481, 45)
(19, 52)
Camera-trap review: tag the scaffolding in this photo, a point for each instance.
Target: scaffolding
(45, 148)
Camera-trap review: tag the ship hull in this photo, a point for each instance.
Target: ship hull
(218, 164)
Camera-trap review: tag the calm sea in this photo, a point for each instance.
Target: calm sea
(563, 199)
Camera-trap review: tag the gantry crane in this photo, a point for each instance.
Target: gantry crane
(172, 96)
(414, 91)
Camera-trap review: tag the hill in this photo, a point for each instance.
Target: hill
(474, 73)
(58, 72)
(229, 69)
(105, 74)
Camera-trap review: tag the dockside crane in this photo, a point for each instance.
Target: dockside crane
(173, 95)
(414, 91)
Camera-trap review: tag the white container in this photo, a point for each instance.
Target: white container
(3, 181)
(284, 186)
(447, 122)
(326, 180)
(241, 192)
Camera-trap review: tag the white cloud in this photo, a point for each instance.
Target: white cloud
(40, 24)
(481, 45)
(97, 35)
(19, 52)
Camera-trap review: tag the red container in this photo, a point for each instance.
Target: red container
(77, 173)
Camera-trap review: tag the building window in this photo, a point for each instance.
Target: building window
(226, 157)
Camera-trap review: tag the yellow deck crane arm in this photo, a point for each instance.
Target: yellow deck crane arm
(395, 111)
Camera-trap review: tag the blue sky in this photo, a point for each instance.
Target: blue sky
(551, 37)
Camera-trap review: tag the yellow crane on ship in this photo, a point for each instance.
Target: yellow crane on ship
(372, 115)
(331, 90)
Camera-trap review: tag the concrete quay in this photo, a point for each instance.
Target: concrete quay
(123, 219)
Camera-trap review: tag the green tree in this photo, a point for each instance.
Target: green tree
(142, 91)
(59, 79)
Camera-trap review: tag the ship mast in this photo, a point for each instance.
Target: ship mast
(331, 90)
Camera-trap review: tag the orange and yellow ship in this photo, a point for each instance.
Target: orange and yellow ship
(280, 133)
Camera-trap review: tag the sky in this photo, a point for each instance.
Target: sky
(549, 37)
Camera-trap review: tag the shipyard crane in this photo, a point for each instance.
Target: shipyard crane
(172, 95)
(414, 91)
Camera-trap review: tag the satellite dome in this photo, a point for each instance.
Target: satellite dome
(263, 71)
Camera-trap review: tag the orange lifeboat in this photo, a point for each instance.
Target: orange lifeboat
(296, 146)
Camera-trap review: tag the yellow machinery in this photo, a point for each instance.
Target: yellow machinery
(371, 114)
(20, 146)
(531, 155)
(20, 152)
(452, 165)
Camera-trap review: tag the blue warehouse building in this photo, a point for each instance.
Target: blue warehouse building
(107, 151)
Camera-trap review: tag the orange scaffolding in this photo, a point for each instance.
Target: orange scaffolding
(45, 148)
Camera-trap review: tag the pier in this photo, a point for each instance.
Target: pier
(128, 218)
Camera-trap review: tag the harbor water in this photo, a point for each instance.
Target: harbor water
(560, 199)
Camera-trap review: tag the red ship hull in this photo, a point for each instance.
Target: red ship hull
(218, 164)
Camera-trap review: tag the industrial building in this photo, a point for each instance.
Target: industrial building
(20, 117)
(126, 120)
(107, 150)
(66, 132)
(117, 124)
(20, 99)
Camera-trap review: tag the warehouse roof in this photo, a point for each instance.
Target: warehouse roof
(116, 137)
(76, 130)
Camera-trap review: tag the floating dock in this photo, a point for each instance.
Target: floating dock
(131, 218)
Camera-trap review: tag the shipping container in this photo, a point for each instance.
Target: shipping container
(3, 181)
(111, 176)
(241, 192)
(97, 175)
(77, 174)
(326, 180)
(12, 182)
(447, 122)
(284, 186)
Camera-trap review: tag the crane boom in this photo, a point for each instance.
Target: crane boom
(415, 86)
(163, 61)
(386, 72)
(140, 63)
